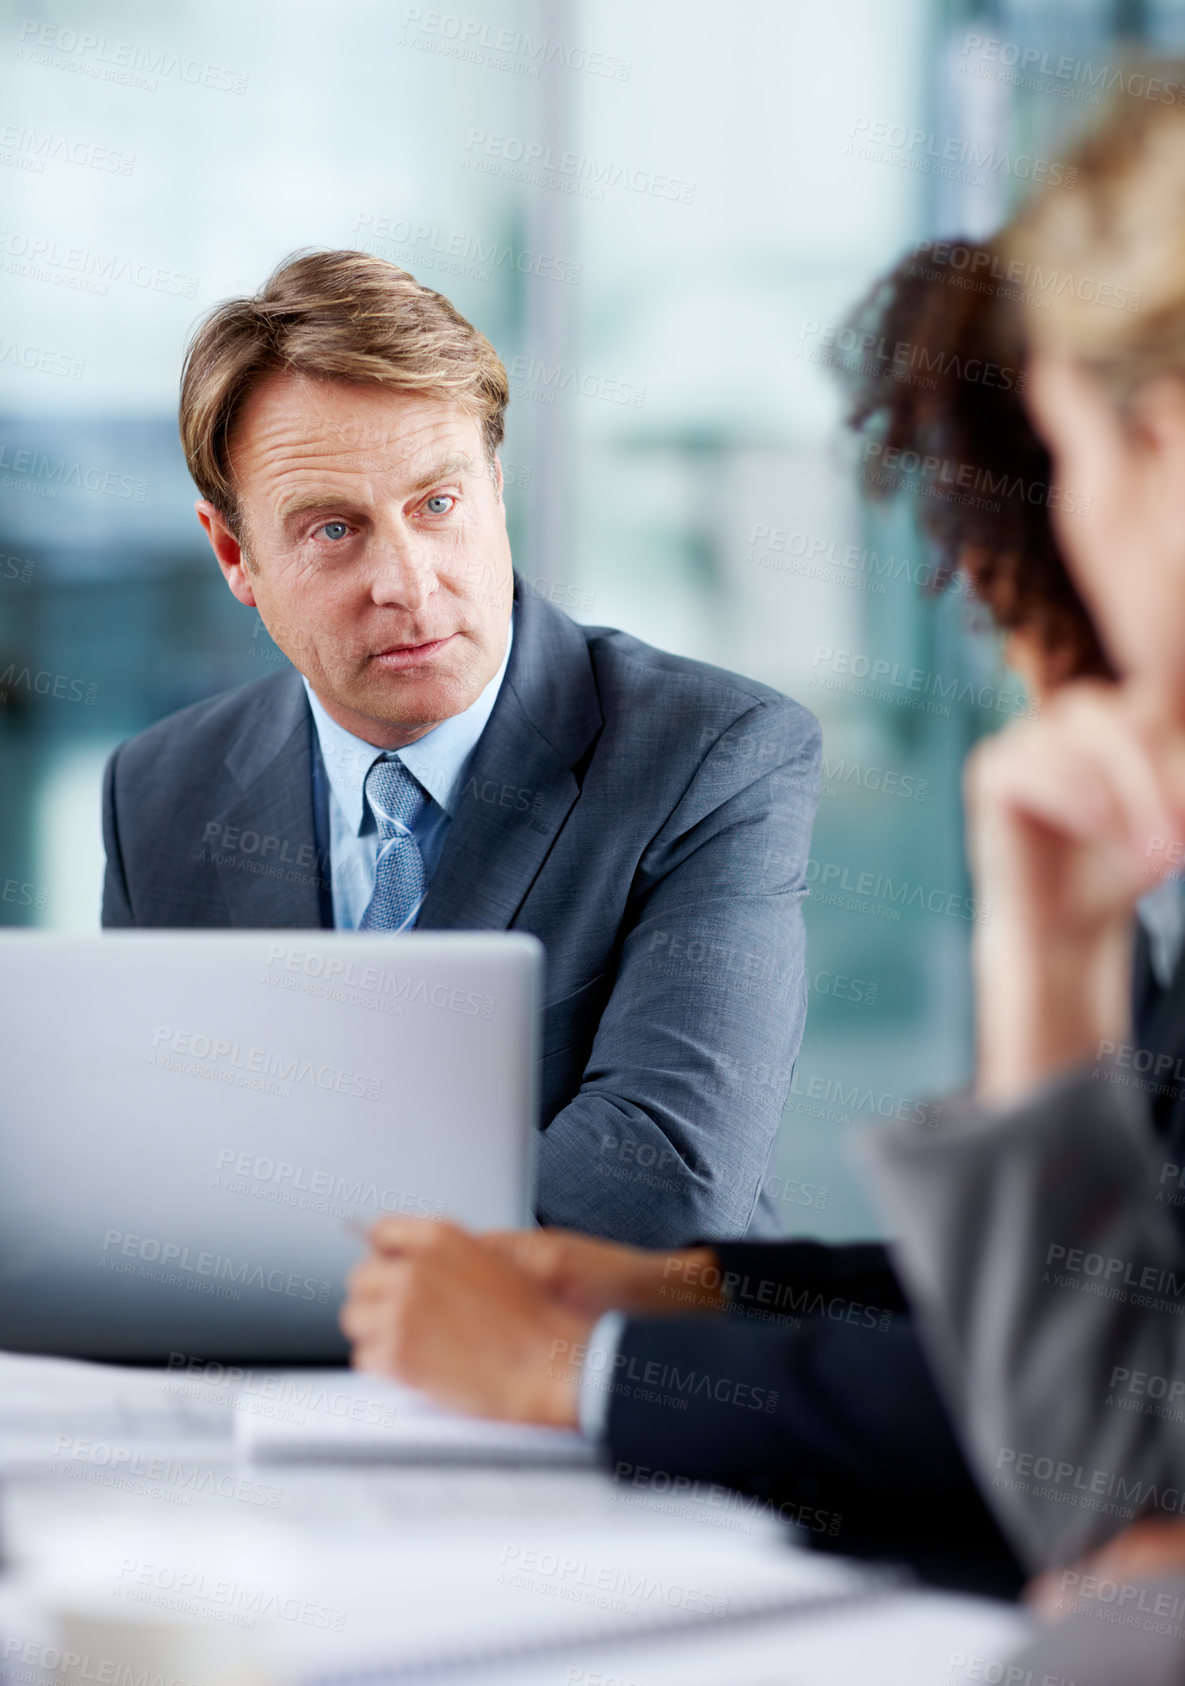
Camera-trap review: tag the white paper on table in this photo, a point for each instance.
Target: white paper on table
(339, 1415)
(319, 1605)
(908, 1639)
(424, 1606)
(43, 1399)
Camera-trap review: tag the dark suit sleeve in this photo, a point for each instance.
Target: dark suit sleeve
(670, 1133)
(117, 907)
(758, 1276)
(833, 1424)
(814, 1397)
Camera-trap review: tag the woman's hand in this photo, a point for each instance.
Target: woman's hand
(1072, 818)
(1142, 1552)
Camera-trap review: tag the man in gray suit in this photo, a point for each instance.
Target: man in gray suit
(451, 751)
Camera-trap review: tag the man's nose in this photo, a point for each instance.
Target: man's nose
(404, 575)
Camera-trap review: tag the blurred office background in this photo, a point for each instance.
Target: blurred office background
(659, 214)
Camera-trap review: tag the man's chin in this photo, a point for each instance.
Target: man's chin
(414, 701)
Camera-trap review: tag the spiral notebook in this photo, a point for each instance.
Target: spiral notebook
(452, 1599)
(433, 1607)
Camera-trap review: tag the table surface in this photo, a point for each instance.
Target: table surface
(83, 1507)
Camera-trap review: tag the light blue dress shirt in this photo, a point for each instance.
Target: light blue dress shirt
(439, 760)
(1162, 914)
(596, 1378)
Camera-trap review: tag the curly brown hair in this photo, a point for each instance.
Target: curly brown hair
(932, 364)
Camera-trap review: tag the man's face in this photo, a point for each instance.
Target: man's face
(376, 536)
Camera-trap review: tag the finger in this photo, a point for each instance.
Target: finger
(1138, 759)
(1041, 779)
(375, 1277)
(1161, 717)
(1167, 751)
(509, 1242)
(531, 1250)
(360, 1320)
(1086, 776)
(375, 1357)
(412, 1235)
(1042, 1595)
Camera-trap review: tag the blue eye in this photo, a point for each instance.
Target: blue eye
(438, 505)
(335, 529)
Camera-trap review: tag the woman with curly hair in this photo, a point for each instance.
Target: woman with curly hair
(934, 379)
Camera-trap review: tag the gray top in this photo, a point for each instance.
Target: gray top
(1110, 1634)
(1048, 1277)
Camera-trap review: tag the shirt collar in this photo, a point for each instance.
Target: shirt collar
(1162, 913)
(438, 759)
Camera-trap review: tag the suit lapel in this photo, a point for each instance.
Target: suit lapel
(520, 788)
(521, 784)
(268, 866)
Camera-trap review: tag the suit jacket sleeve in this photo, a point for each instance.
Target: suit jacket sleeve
(832, 1423)
(117, 907)
(1047, 1280)
(757, 1276)
(692, 1061)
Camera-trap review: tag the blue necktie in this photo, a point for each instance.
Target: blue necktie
(400, 884)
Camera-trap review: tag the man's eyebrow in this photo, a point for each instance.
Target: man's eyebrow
(330, 497)
(301, 501)
(442, 470)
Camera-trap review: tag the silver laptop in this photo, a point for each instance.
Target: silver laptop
(193, 1126)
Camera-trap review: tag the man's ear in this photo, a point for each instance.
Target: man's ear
(228, 550)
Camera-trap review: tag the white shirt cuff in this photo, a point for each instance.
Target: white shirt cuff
(596, 1379)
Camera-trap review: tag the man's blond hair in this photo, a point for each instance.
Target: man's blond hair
(338, 316)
